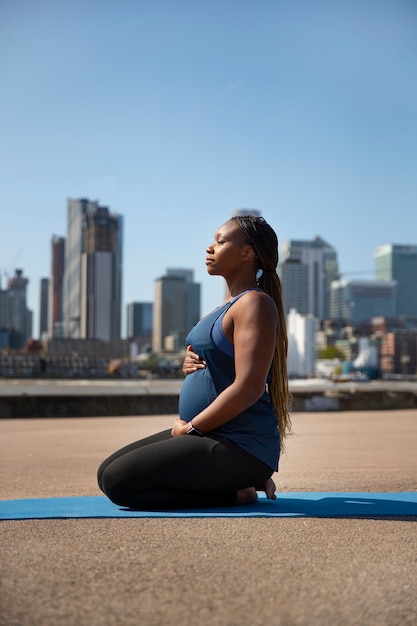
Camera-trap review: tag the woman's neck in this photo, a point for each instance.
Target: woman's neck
(235, 289)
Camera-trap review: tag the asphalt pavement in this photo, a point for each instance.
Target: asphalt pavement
(211, 571)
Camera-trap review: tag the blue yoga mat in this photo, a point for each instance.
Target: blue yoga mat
(294, 504)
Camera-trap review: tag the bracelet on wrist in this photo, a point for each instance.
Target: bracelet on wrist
(194, 431)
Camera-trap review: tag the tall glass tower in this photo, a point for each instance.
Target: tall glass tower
(399, 263)
(76, 212)
(307, 269)
(357, 301)
(176, 308)
(56, 287)
(93, 272)
(15, 318)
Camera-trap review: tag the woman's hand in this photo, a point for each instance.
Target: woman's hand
(179, 428)
(192, 362)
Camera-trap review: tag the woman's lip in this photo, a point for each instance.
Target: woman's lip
(208, 261)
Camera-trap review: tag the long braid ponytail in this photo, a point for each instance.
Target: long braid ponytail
(264, 242)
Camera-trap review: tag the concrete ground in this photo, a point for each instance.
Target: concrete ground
(225, 572)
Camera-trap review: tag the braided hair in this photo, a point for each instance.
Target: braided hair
(264, 242)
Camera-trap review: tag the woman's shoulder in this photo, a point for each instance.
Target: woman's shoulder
(255, 299)
(257, 295)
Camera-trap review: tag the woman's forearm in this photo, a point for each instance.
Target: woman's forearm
(229, 403)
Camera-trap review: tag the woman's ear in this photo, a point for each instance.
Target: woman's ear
(248, 253)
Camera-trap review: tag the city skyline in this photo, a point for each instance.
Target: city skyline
(342, 277)
(174, 118)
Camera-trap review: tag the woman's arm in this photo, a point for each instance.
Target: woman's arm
(252, 324)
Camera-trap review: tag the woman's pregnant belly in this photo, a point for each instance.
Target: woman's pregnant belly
(197, 392)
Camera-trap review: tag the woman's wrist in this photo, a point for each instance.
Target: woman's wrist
(192, 430)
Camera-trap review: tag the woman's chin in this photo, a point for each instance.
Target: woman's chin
(210, 269)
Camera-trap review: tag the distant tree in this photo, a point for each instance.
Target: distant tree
(331, 352)
(151, 363)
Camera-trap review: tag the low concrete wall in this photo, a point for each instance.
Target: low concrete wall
(86, 406)
(354, 400)
(19, 399)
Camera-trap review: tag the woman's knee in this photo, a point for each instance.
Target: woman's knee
(100, 472)
(110, 485)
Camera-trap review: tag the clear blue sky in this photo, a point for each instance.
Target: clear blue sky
(174, 113)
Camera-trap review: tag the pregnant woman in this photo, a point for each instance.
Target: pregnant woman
(234, 403)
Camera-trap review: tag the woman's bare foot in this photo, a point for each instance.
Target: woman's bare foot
(270, 489)
(246, 496)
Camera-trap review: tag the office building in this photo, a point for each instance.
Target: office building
(399, 353)
(101, 275)
(56, 287)
(176, 309)
(307, 269)
(193, 294)
(399, 263)
(5, 321)
(93, 272)
(76, 212)
(15, 317)
(43, 306)
(139, 322)
(301, 330)
(355, 302)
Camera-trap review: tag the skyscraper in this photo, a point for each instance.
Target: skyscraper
(43, 308)
(15, 317)
(56, 287)
(139, 321)
(193, 295)
(100, 275)
(76, 211)
(399, 263)
(93, 272)
(307, 269)
(357, 301)
(176, 308)
(301, 344)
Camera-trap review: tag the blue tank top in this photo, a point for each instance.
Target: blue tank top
(256, 429)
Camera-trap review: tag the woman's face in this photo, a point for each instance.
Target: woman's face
(229, 250)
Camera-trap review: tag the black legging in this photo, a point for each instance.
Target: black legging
(162, 472)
